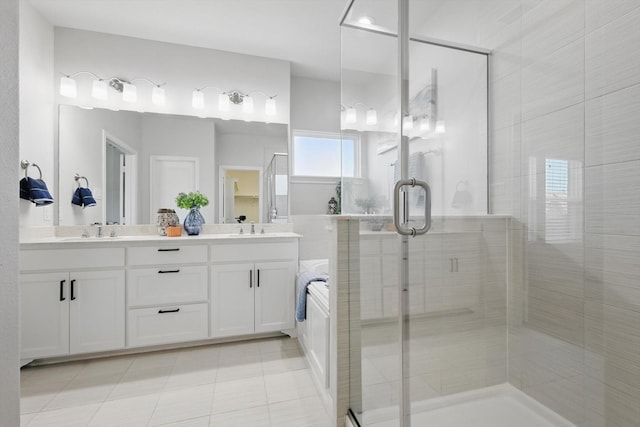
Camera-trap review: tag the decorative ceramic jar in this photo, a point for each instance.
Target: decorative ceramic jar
(166, 218)
(333, 206)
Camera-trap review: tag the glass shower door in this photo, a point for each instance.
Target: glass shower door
(420, 297)
(448, 337)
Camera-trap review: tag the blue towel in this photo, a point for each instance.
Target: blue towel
(36, 191)
(83, 197)
(303, 281)
(77, 197)
(87, 198)
(24, 189)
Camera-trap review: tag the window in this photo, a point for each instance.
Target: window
(319, 154)
(563, 199)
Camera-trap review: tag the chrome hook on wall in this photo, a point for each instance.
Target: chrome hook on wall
(24, 164)
(77, 178)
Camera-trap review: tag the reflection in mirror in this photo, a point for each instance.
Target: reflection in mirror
(241, 191)
(120, 161)
(135, 162)
(277, 176)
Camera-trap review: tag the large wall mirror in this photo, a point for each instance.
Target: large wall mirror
(136, 163)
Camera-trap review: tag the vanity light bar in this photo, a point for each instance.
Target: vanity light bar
(68, 88)
(351, 114)
(226, 98)
(100, 91)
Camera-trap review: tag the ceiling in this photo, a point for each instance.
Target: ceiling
(304, 32)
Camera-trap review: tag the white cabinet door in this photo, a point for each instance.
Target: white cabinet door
(44, 315)
(232, 305)
(274, 296)
(97, 311)
(318, 343)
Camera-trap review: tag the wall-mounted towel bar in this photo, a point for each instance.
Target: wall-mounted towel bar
(24, 164)
(77, 177)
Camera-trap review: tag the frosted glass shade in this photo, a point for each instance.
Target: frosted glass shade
(247, 105)
(351, 116)
(223, 102)
(270, 107)
(197, 100)
(407, 123)
(425, 125)
(157, 96)
(68, 87)
(99, 90)
(372, 117)
(129, 93)
(440, 128)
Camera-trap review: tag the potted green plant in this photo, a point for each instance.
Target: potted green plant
(192, 201)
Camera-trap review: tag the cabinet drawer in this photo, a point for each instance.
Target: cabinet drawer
(164, 325)
(167, 254)
(154, 286)
(67, 259)
(238, 252)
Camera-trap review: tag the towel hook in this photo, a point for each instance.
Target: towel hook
(24, 164)
(77, 177)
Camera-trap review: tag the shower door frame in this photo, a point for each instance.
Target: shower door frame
(404, 38)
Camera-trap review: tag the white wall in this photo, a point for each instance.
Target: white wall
(36, 108)
(183, 68)
(315, 106)
(9, 170)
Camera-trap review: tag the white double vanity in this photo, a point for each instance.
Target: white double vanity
(97, 295)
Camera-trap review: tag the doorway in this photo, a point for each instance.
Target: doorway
(240, 197)
(119, 169)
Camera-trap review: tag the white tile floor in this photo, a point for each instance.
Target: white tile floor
(254, 383)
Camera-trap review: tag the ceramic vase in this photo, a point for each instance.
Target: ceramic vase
(193, 222)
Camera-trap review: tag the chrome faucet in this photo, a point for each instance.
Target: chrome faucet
(98, 229)
(253, 228)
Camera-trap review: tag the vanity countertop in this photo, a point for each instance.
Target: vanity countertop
(51, 242)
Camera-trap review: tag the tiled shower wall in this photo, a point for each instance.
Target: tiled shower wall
(565, 163)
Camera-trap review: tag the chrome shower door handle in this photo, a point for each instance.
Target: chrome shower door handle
(411, 231)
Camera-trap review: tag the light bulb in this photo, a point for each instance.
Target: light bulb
(270, 107)
(425, 124)
(68, 87)
(365, 20)
(440, 128)
(372, 117)
(223, 102)
(129, 92)
(157, 96)
(247, 105)
(407, 123)
(99, 90)
(197, 100)
(351, 116)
